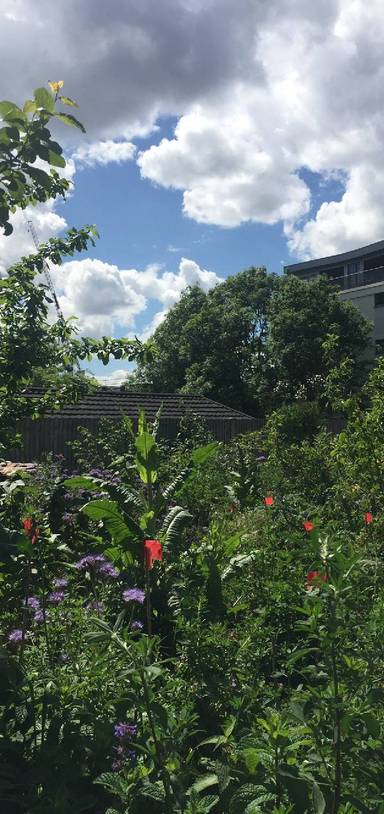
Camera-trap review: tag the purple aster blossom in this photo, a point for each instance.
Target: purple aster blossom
(32, 602)
(60, 582)
(40, 616)
(96, 564)
(56, 597)
(15, 636)
(122, 730)
(136, 625)
(134, 595)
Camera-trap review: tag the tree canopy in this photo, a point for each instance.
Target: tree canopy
(256, 341)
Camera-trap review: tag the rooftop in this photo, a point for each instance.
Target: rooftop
(334, 259)
(112, 402)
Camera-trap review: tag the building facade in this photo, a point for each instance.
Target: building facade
(359, 275)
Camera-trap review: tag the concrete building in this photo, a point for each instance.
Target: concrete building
(359, 275)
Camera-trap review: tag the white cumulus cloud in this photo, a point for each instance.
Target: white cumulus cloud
(104, 152)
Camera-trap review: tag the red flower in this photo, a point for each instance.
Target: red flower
(153, 550)
(368, 517)
(27, 525)
(314, 578)
(35, 536)
(269, 501)
(308, 525)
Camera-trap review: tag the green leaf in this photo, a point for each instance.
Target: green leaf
(56, 160)
(70, 120)
(67, 101)
(201, 454)
(251, 759)
(30, 106)
(318, 799)
(205, 782)
(107, 511)
(147, 457)
(44, 100)
(9, 112)
(245, 796)
(82, 482)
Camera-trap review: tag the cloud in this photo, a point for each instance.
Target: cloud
(107, 300)
(104, 152)
(259, 90)
(114, 379)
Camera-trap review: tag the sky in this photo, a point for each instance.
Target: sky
(220, 135)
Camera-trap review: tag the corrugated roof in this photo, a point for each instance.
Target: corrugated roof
(112, 402)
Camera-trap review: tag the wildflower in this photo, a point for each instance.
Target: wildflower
(153, 550)
(96, 564)
(136, 625)
(27, 525)
(269, 501)
(122, 730)
(40, 616)
(69, 518)
(134, 595)
(15, 636)
(308, 525)
(56, 597)
(32, 602)
(60, 582)
(314, 579)
(368, 517)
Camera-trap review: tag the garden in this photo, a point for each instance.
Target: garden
(186, 626)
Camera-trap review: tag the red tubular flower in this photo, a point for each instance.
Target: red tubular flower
(269, 501)
(153, 550)
(314, 579)
(368, 517)
(308, 525)
(27, 525)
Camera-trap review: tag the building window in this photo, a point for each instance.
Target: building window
(374, 262)
(379, 300)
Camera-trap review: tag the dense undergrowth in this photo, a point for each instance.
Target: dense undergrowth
(197, 627)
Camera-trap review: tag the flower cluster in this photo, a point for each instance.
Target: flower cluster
(123, 733)
(96, 564)
(104, 474)
(314, 579)
(134, 595)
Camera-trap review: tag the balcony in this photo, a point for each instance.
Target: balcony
(359, 278)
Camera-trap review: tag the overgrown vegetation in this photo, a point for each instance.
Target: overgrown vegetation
(192, 627)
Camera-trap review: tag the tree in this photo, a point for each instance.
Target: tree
(27, 340)
(312, 333)
(213, 343)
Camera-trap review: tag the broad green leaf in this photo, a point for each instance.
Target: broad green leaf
(201, 454)
(44, 99)
(9, 111)
(30, 106)
(107, 511)
(82, 482)
(56, 160)
(70, 120)
(147, 457)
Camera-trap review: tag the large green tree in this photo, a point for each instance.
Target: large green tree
(213, 343)
(257, 341)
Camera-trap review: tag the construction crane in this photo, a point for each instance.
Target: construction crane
(46, 271)
(47, 275)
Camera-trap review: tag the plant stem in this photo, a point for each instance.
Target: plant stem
(163, 772)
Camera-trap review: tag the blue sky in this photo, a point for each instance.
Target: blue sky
(219, 135)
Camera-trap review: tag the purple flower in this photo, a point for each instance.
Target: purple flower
(122, 730)
(97, 564)
(60, 582)
(136, 625)
(32, 602)
(40, 616)
(134, 595)
(56, 597)
(15, 636)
